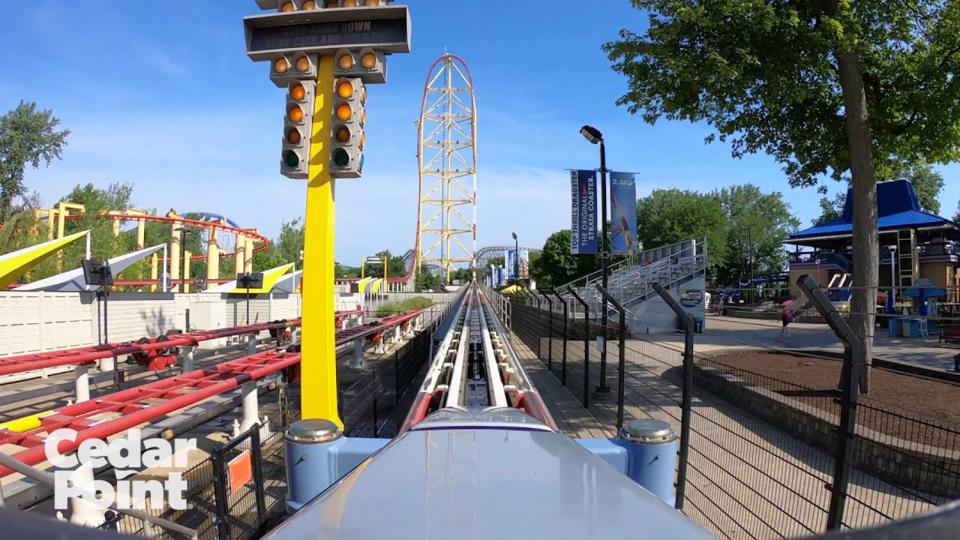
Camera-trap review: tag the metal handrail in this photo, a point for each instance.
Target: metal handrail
(48, 479)
(597, 274)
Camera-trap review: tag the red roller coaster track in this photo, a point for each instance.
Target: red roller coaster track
(140, 404)
(86, 355)
(263, 241)
(148, 402)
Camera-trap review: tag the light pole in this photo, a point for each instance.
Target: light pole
(593, 136)
(516, 257)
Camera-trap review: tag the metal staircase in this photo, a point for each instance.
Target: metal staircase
(631, 281)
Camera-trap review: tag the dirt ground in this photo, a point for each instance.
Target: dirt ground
(920, 398)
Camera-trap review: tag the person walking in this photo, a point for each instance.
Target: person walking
(786, 317)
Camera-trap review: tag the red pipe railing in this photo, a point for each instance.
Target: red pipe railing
(136, 407)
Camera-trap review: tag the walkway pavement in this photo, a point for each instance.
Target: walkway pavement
(746, 478)
(725, 332)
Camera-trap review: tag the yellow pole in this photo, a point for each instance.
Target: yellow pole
(154, 265)
(318, 364)
(240, 246)
(363, 266)
(248, 256)
(186, 270)
(51, 214)
(141, 231)
(213, 257)
(62, 215)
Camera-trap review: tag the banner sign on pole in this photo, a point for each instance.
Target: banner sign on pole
(583, 212)
(623, 213)
(510, 260)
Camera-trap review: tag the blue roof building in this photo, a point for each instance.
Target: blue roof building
(913, 243)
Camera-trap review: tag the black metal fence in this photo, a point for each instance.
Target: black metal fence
(760, 456)
(372, 406)
(231, 494)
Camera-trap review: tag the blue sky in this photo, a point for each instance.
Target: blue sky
(160, 94)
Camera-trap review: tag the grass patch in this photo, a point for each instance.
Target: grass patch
(417, 302)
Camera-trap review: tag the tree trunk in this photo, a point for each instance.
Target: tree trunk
(866, 248)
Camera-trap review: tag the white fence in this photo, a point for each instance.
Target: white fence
(44, 321)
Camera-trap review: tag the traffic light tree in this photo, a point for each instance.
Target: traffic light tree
(827, 88)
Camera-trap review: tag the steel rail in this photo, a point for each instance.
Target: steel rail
(358, 332)
(494, 379)
(140, 405)
(452, 398)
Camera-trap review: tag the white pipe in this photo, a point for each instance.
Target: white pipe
(106, 364)
(88, 245)
(166, 262)
(186, 358)
(356, 360)
(250, 406)
(82, 379)
(82, 511)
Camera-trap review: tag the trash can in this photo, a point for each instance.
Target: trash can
(893, 326)
(698, 325)
(308, 459)
(652, 455)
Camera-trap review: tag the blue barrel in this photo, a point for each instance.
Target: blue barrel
(310, 448)
(651, 455)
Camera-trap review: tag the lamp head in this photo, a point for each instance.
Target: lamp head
(591, 134)
(514, 235)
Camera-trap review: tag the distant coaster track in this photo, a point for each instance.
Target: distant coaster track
(261, 241)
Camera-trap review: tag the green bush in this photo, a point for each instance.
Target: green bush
(417, 302)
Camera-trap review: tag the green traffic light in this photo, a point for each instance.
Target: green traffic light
(291, 159)
(340, 157)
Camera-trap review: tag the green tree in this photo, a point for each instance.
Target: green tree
(556, 265)
(956, 217)
(103, 244)
(927, 183)
(27, 137)
(831, 210)
(667, 216)
(343, 271)
(758, 224)
(290, 241)
(426, 280)
(396, 267)
(824, 87)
